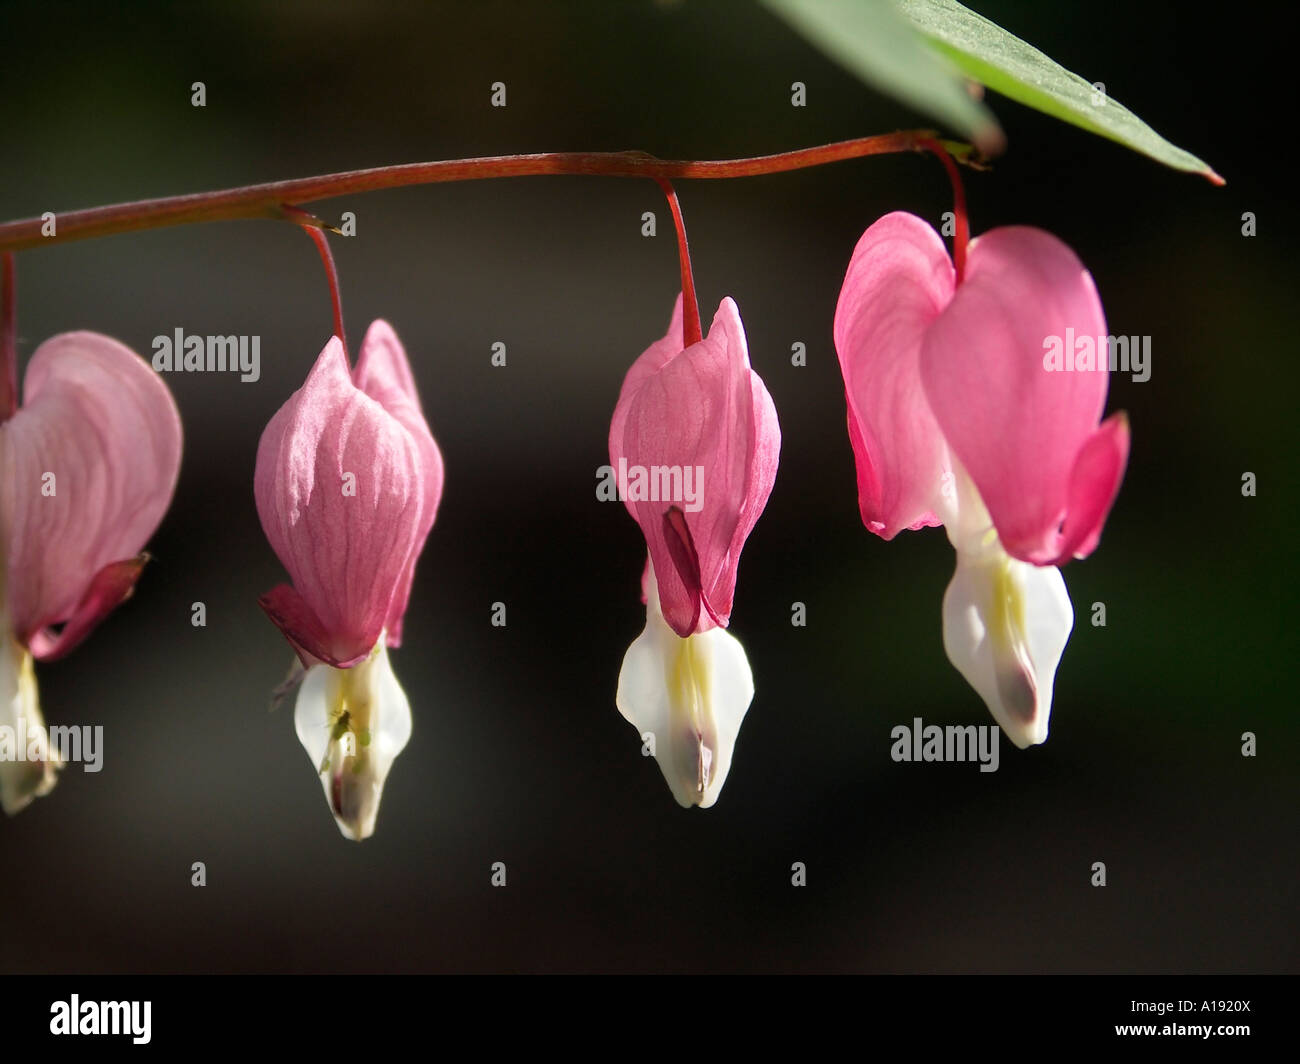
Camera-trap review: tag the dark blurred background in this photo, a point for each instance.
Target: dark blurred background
(518, 753)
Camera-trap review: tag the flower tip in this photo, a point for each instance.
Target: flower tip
(30, 780)
(354, 800)
(381, 331)
(1019, 710)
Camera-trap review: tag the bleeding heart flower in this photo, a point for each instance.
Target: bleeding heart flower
(348, 482)
(956, 417)
(695, 441)
(89, 466)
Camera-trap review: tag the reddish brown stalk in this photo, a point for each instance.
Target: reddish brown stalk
(961, 227)
(311, 226)
(690, 305)
(8, 351)
(269, 200)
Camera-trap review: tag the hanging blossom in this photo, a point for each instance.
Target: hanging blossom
(695, 443)
(348, 482)
(959, 416)
(88, 464)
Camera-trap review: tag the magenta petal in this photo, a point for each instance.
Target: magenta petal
(686, 563)
(384, 374)
(658, 354)
(288, 612)
(349, 555)
(703, 414)
(111, 586)
(647, 575)
(650, 362)
(1094, 483)
(760, 475)
(89, 466)
(898, 282)
(1017, 426)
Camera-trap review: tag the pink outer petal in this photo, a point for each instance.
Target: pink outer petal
(686, 566)
(704, 407)
(1018, 428)
(719, 592)
(650, 362)
(288, 612)
(898, 282)
(102, 422)
(383, 373)
(348, 556)
(1094, 483)
(112, 586)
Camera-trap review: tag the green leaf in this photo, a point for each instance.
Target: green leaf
(871, 39)
(990, 55)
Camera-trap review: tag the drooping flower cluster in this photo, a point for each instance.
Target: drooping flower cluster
(955, 419)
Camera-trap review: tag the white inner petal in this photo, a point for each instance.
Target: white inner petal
(965, 518)
(28, 766)
(1005, 626)
(688, 697)
(353, 723)
(1005, 622)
